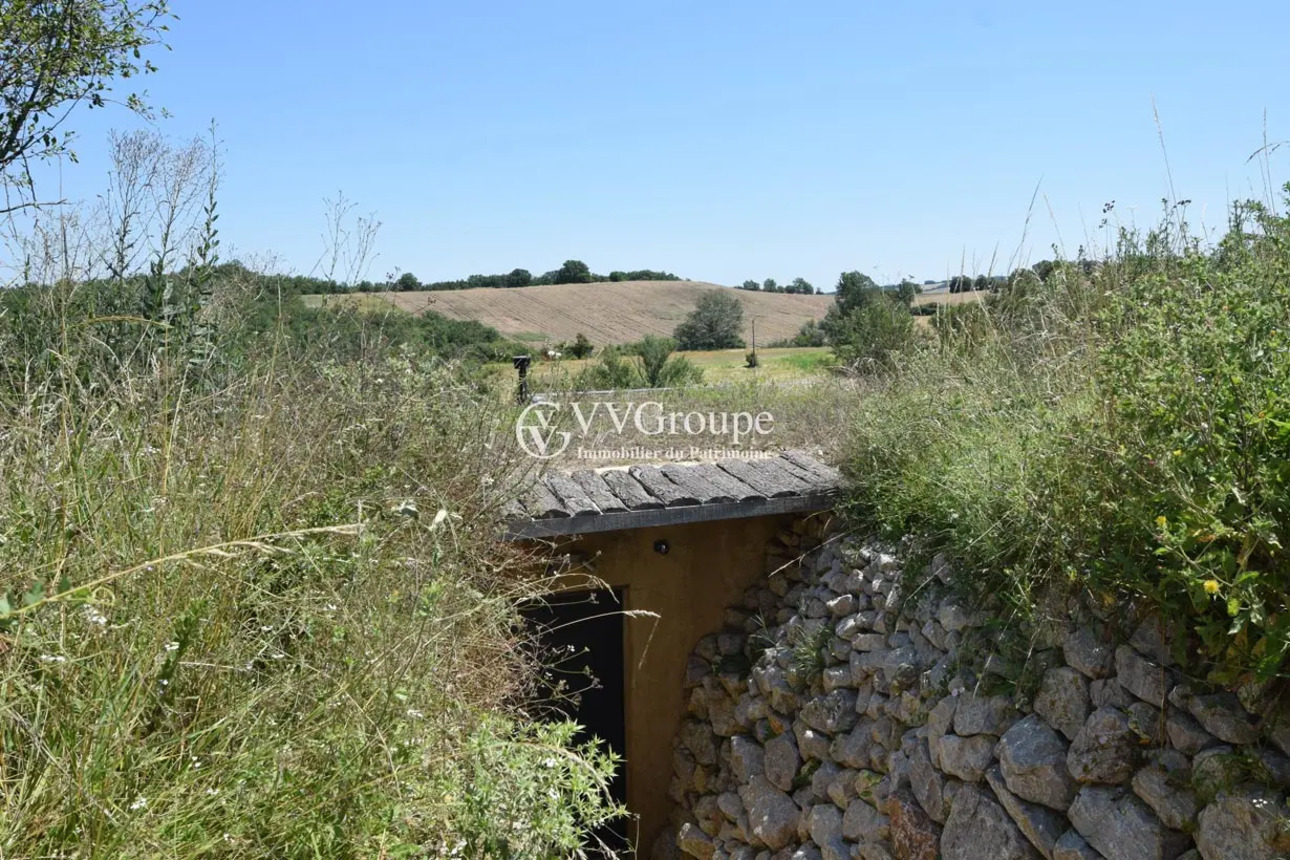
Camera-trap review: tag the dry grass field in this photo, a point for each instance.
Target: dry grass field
(945, 297)
(608, 313)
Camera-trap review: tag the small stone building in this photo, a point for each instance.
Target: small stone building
(677, 545)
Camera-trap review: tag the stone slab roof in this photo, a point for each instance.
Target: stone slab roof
(564, 503)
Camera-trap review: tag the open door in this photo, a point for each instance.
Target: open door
(580, 635)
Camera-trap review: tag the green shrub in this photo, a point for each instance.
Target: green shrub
(270, 619)
(1122, 429)
(649, 363)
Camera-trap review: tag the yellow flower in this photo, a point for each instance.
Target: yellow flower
(1211, 586)
(1178, 452)
(1162, 521)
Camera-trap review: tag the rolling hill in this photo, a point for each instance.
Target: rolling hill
(617, 312)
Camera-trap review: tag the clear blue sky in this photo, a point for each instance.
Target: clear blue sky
(719, 140)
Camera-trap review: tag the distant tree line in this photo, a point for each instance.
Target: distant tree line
(799, 286)
(572, 272)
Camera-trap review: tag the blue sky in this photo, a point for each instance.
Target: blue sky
(719, 140)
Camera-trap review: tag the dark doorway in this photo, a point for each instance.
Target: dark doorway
(580, 636)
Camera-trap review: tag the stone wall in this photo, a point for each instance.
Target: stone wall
(832, 720)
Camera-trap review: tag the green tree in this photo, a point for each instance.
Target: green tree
(581, 347)
(715, 323)
(801, 286)
(907, 291)
(750, 285)
(810, 334)
(519, 278)
(770, 286)
(573, 272)
(407, 282)
(870, 336)
(853, 291)
(56, 55)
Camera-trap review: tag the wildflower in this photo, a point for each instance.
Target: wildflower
(1211, 586)
(172, 646)
(140, 802)
(1162, 521)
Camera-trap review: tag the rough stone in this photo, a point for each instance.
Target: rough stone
(953, 618)
(782, 761)
(1151, 638)
(927, 783)
(1032, 759)
(721, 714)
(709, 815)
(772, 814)
(967, 758)
(1243, 825)
(1122, 827)
(1063, 700)
(1073, 847)
(1141, 677)
(914, 835)
(1216, 769)
(747, 759)
(1186, 734)
(1222, 715)
(1107, 693)
(864, 823)
(1276, 765)
(1165, 786)
(750, 709)
(812, 744)
(1279, 734)
(731, 806)
(1086, 652)
(979, 829)
(1041, 825)
(832, 713)
(699, 739)
(842, 790)
(825, 826)
(836, 678)
(1105, 750)
(823, 777)
(694, 842)
(938, 723)
(983, 715)
(852, 749)
(843, 605)
(869, 642)
(1145, 721)
(848, 627)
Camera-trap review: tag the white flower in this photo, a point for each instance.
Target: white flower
(140, 802)
(172, 646)
(52, 658)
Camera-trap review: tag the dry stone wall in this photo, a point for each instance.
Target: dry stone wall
(831, 719)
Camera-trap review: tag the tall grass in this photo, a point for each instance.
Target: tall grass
(261, 611)
(1121, 429)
